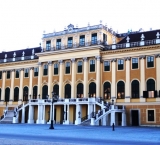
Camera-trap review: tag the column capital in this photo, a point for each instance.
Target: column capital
(127, 58)
(49, 62)
(39, 63)
(21, 69)
(113, 59)
(4, 71)
(142, 57)
(85, 58)
(12, 70)
(31, 68)
(157, 55)
(73, 60)
(60, 61)
(98, 57)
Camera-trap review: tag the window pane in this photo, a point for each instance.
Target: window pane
(55, 69)
(48, 45)
(45, 71)
(67, 67)
(82, 40)
(106, 66)
(35, 71)
(8, 74)
(70, 41)
(94, 38)
(134, 63)
(79, 66)
(150, 115)
(0, 75)
(17, 73)
(58, 44)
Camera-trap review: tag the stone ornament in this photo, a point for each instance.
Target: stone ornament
(32, 51)
(142, 37)
(157, 35)
(14, 54)
(157, 55)
(127, 39)
(85, 59)
(60, 61)
(23, 53)
(5, 56)
(114, 60)
(73, 60)
(127, 58)
(142, 57)
(49, 62)
(31, 68)
(114, 40)
(39, 63)
(98, 57)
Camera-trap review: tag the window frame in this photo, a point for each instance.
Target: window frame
(147, 63)
(120, 60)
(17, 77)
(45, 70)
(25, 72)
(58, 44)
(93, 39)
(92, 64)
(147, 117)
(67, 62)
(137, 59)
(79, 66)
(106, 66)
(55, 68)
(36, 68)
(82, 40)
(70, 42)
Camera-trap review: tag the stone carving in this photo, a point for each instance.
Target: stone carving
(157, 35)
(49, 62)
(114, 60)
(60, 61)
(85, 58)
(142, 57)
(157, 55)
(32, 51)
(142, 37)
(39, 63)
(114, 40)
(127, 58)
(73, 60)
(23, 53)
(127, 39)
(5, 56)
(98, 57)
(14, 54)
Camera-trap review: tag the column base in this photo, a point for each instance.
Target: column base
(30, 121)
(66, 122)
(142, 99)
(92, 121)
(49, 122)
(78, 121)
(43, 121)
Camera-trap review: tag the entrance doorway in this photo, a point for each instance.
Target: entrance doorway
(135, 117)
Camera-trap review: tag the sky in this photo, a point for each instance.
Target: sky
(22, 22)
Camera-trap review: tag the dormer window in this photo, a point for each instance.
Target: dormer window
(70, 42)
(94, 38)
(48, 45)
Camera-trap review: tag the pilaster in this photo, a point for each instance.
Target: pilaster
(31, 82)
(73, 78)
(3, 85)
(98, 77)
(40, 79)
(12, 85)
(21, 84)
(85, 77)
(61, 73)
(50, 74)
(158, 72)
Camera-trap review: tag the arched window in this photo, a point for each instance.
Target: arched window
(35, 92)
(0, 93)
(120, 90)
(92, 89)
(67, 91)
(44, 92)
(16, 93)
(80, 90)
(7, 94)
(150, 85)
(25, 93)
(56, 89)
(107, 90)
(135, 89)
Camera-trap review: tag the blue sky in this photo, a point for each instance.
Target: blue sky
(22, 22)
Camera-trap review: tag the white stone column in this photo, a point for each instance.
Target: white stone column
(12, 85)
(64, 113)
(128, 83)
(85, 78)
(61, 73)
(98, 77)
(104, 119)
(40, 80)
(39, 118)
(78, 116)
(3, 85)
(23, 114)
(113, 85)
(44, 114)
(30, 115)
(112, 118)
(142, 75)
(73, 95)
(67, 121)
(90, 110)
(51, 114)
(158, 73)
(123, 119)
(31, 82)
(21, 85)
(50, 74)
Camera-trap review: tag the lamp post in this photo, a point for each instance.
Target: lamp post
(54, 99)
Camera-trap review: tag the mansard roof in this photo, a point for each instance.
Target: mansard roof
(136, 37)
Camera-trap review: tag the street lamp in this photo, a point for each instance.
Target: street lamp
(54, 99)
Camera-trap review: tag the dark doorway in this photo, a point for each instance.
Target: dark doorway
(67, 91)
(62, 114)
(56, 89)
(135, 117)
(35, 92)
(7, 94)
(119, 119)
(55, 115)
(44, 92)
(16, 94)
(25, 94)
(92, 89)
(80, 90)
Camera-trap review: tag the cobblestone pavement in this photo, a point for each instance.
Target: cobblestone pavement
(45, 136)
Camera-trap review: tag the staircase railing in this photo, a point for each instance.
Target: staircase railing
(4, 114)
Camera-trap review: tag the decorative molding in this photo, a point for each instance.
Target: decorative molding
(98, 57)
(142, 57)
(113, 59)
(31, 68)
(49, 62)
(157, 55)
(85, 58)
(21, 69)
(60, 61)
(39, 63)
(4, 71)
(127, 58)
(12, 70)
(73, 60)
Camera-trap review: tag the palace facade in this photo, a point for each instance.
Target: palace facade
(100, 77)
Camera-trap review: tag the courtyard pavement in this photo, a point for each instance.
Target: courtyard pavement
(33, 134)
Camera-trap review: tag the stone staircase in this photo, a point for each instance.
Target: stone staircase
(86, 122)
(8, 118)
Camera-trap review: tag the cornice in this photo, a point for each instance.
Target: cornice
(130, 49)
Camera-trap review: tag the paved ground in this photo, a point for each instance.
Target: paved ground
(25, 134)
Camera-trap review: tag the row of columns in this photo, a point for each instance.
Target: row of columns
(73, 77)
(12, 85)
(142, 76)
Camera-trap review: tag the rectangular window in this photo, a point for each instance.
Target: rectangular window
(120, 64)
(106, 66)
(67, 67)
(94, 38)
(92, 65)
(45, 71)
(82, 40)
(79, 66)
(70, 42)
(150, 61)
(26, 72)
(0, 74)
(150, 115)
(8, 74)
(56, 69)
(36, 71)
(48, 45)
(134, 63)
(17, 73)
(58, 44)
(104, 38)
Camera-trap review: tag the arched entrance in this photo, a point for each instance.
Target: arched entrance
(7, 94)
(120, 90)
(56, 89)
(67, 91)
(150, 85)
(92, 89)
(44, 92)
(16, 93)
(135, 89)
(25, 93)
(107, 90)
(35, 92)
(80, 90)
